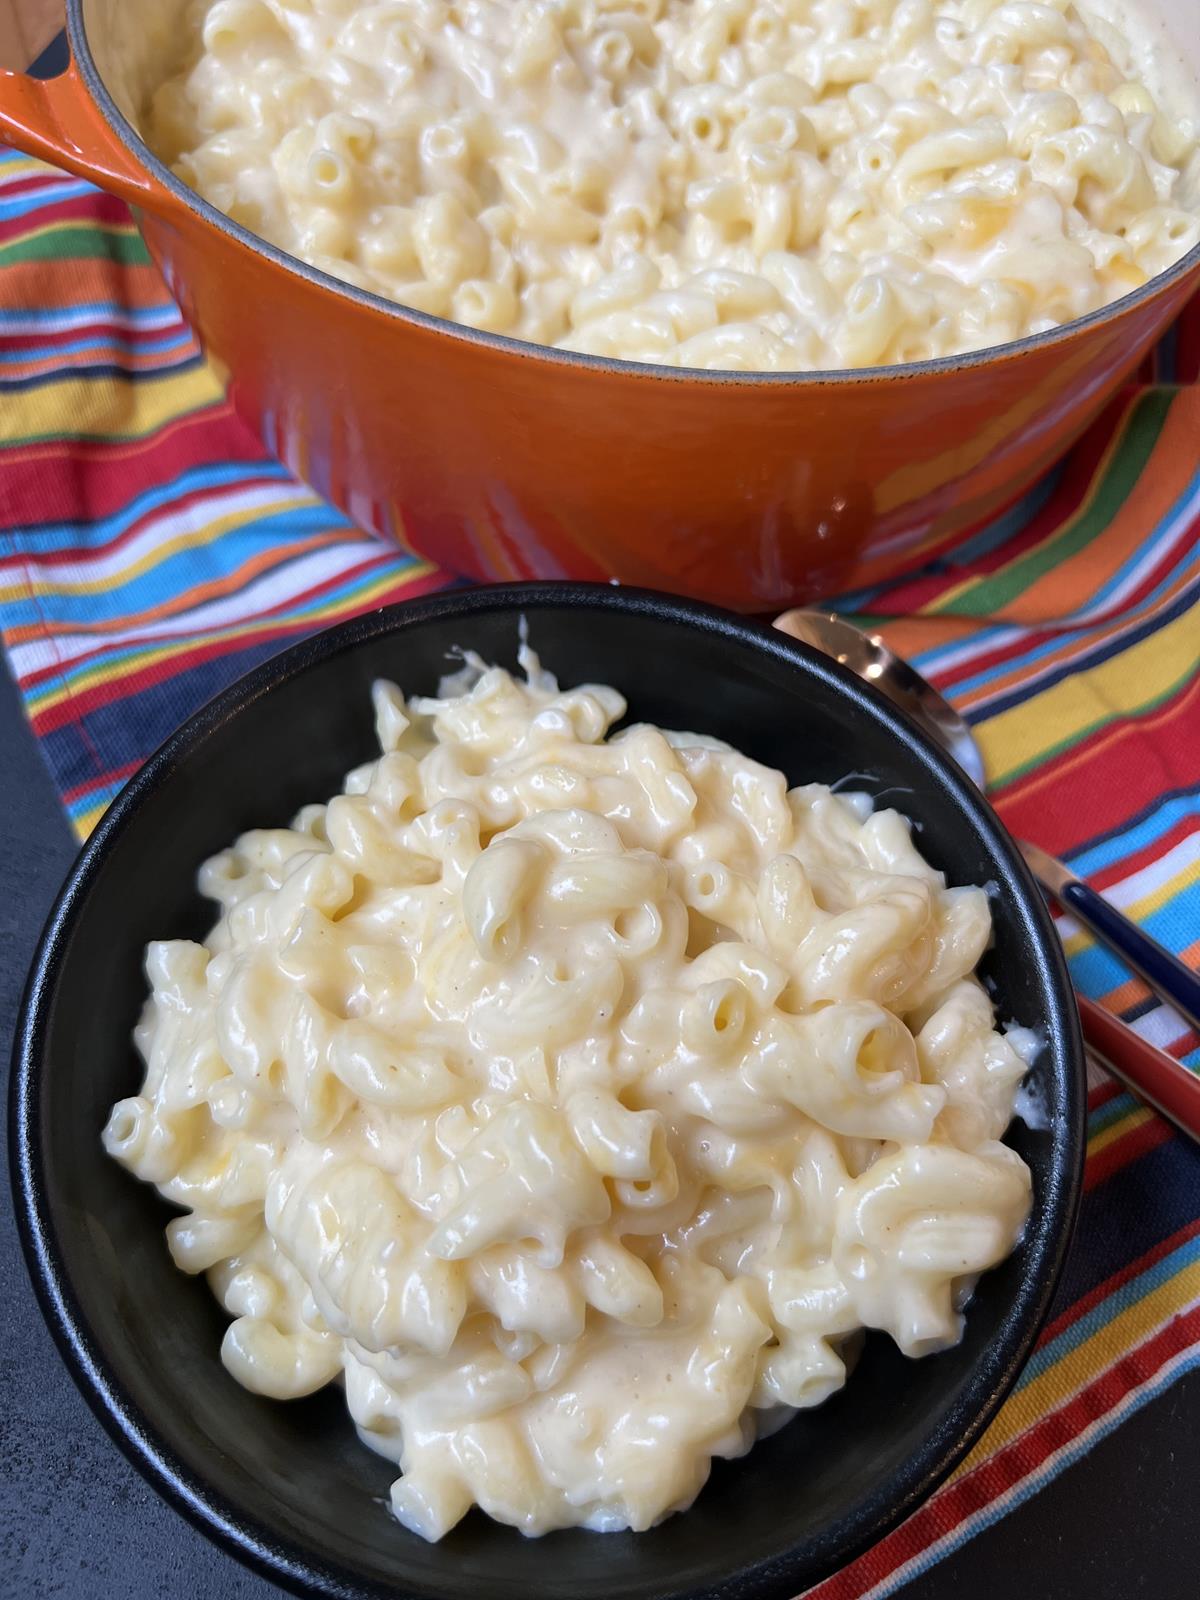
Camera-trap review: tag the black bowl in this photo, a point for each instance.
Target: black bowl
(288, 1487)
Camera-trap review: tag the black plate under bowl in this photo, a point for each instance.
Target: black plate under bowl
(288, 1487)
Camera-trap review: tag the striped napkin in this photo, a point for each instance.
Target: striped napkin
(151, 552)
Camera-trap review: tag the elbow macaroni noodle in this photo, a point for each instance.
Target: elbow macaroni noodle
(747, 184)
(574, 1101)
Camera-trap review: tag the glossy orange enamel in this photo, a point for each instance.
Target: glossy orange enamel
(498, 461)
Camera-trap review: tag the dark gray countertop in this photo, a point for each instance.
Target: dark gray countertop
(78, 1523)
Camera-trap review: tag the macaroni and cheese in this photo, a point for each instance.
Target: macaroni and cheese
(574, 1101)
(744, 184)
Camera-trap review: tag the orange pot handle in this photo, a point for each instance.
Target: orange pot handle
(57, 120)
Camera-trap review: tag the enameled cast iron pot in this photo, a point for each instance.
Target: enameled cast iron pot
(288, 1487)
(500, 459)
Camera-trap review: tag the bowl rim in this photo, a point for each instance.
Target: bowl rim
(527, 350)
(303, 1570)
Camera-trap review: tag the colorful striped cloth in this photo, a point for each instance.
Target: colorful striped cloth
(151, 551)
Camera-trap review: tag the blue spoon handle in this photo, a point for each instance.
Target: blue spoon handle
(1164, 972)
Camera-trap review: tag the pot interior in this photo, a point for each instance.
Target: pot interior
(137, 44)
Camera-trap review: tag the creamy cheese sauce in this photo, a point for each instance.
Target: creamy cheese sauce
(575, 1101)
(750, 184)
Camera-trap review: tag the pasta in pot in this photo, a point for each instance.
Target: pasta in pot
(743, 184)
(574, 1100)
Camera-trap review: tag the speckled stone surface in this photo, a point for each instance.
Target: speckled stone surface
(78, 1523)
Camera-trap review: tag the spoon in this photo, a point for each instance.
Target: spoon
(1151, 1073)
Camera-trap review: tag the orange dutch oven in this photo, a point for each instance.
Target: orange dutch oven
(500, 459)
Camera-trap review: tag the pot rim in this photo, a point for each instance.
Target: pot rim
(204, 1501)
(505, 344)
